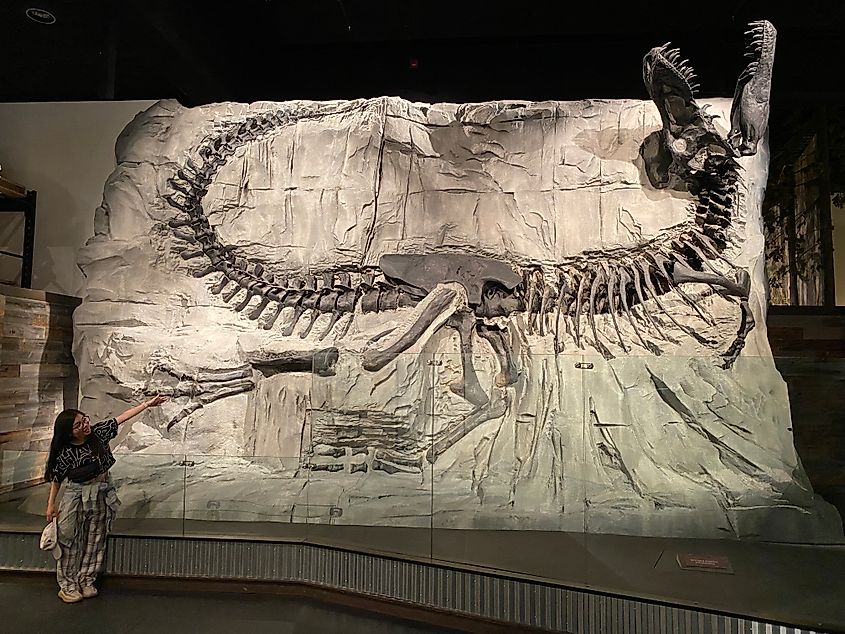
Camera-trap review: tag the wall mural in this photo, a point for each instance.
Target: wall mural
(497, 315)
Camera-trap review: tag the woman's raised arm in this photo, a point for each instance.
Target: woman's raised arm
(134, 411)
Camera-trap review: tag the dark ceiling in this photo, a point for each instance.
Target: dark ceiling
(199, 52)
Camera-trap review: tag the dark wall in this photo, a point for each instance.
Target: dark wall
(461, 51)
(809, 349)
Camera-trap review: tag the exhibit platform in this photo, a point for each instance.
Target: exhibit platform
(573, 582)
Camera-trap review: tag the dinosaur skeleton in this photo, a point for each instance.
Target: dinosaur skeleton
(627, 284)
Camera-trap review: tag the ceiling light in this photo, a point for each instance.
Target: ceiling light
(42, 16)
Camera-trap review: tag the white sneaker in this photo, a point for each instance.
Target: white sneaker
(70, 597)
(89, 592)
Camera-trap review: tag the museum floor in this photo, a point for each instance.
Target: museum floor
(125, 606)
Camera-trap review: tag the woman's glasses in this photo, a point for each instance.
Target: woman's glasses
(78, 424)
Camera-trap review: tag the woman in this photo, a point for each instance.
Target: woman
(80, 454)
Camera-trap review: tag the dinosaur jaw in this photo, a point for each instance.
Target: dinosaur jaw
(750, 109)
(670, 82)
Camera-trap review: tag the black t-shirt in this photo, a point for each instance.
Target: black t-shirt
(79, 462)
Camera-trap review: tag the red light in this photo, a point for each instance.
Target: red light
(413, 63)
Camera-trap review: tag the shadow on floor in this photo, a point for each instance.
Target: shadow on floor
(31, 606)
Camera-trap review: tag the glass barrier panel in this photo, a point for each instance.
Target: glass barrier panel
(151, 488)
(363, 449)
(686, 448)
(23, 492)
(260, 497)
(508, 449)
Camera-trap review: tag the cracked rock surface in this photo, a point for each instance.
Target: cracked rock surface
(641, 444)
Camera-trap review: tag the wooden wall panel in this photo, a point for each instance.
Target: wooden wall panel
(38, 379)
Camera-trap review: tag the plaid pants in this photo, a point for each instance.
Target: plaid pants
(84, 541)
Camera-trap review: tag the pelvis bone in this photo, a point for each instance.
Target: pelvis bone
(608, 301)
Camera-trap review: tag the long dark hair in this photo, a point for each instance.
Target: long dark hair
(62, 435)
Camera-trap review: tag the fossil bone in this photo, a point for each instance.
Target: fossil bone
(750, 109)
(350, 219)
